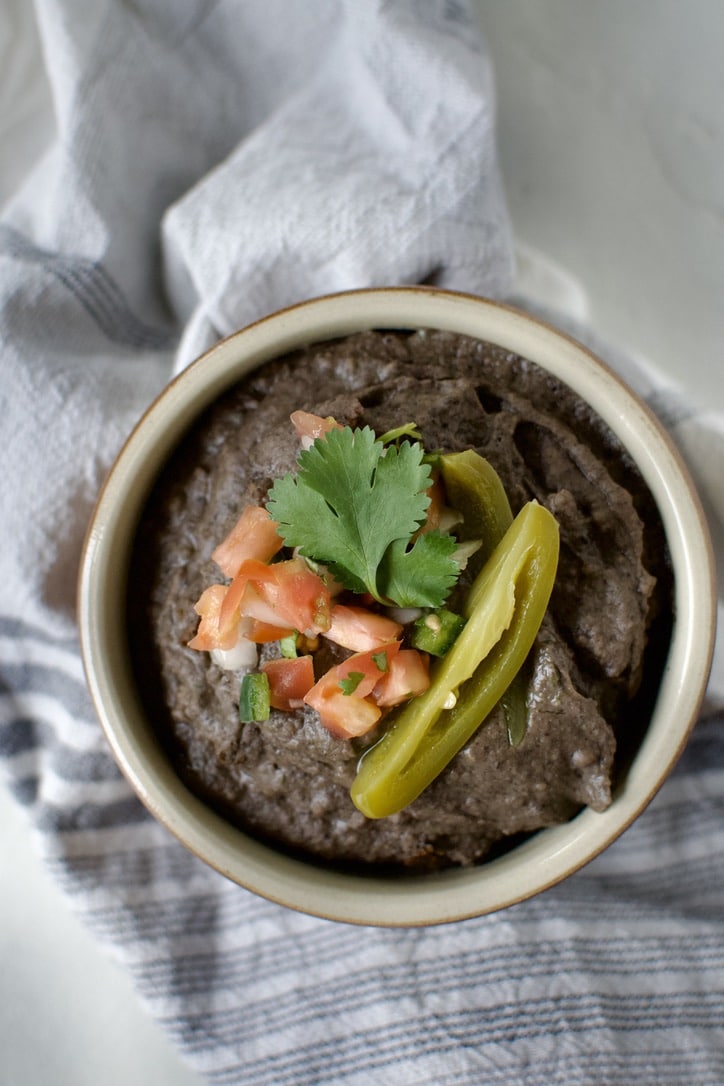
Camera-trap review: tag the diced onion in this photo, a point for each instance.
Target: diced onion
(404, 615)
(243, 656)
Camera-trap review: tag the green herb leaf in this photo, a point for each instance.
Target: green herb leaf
(421, 575)
(380, 660)
(354, 505)
(349, 684)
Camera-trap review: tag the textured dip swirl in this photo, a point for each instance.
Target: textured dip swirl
(592, 673)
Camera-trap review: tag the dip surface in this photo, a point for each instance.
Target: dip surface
(592, 673)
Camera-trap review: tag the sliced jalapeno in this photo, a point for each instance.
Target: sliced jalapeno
(504, 610)
(474, 488)
(254, 698)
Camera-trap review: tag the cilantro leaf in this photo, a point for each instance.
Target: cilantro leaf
(354, 505)
(349, 684)
(348, 502)
(381, 662)
(422, 575)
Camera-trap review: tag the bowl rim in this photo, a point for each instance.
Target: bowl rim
(455, 894)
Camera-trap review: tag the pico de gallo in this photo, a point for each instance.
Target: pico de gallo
(362, 547)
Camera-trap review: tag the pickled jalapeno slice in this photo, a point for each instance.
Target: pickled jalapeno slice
(504, 610)
(475, 489)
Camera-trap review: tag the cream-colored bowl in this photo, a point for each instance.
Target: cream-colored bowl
(549, 855)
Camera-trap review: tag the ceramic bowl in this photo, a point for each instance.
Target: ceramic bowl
(548, 856)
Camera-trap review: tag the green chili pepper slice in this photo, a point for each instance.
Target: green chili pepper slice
(474, 488)
(436, 632)
(254, 703)
(288, 645)
(514, 703)
(505, 608)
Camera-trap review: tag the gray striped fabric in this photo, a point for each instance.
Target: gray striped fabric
(357, 150)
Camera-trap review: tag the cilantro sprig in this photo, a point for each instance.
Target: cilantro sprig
(355, 505)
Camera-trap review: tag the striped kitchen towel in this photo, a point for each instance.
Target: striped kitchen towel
(211, 162)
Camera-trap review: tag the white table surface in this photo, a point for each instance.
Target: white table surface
(611, 121)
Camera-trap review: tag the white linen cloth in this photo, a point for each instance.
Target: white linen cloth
(213, 161)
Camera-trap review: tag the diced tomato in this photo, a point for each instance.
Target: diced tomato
(261, 633)
(210, 634)
(335, 587)
(352, 713)
(255, 607)
(250, 569)
(341, 714)
(358, 629)
(436, 494)
(286, 594)
(299, 597)
(309, 427)
(371, 665)
(253, 536)
(437, 511)
(290, 679)
(408, 676)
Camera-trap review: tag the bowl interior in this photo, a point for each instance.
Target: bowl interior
(551, 854)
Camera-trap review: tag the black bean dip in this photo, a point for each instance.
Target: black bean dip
(592, 673)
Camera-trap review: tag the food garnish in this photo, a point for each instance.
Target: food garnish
(504, 610)
(474, 487)
(290, 678)
(362, 547)
(355, 504)
(253, 536)
(436, 631)
(254, 697)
